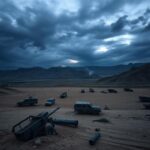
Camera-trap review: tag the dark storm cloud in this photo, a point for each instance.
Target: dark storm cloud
(75, 32)
(119, 24)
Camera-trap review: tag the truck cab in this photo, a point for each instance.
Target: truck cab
(85, 107)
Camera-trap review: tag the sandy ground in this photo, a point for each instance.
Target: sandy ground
(129, 126)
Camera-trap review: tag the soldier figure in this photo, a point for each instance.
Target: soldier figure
(50, 128)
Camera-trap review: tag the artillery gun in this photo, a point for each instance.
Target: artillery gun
(39, 125)
(34, 126)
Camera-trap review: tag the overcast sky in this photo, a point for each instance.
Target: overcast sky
(73, 32)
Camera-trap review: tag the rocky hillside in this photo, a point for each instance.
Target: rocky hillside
(134, 76)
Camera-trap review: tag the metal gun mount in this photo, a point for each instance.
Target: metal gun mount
(32, 126)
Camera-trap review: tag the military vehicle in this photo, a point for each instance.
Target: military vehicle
(91, 90)
(30, 101)
(50, 102)
(84, 107)
(128, 90)
(82, 91)
(63, 95)
(112, 91)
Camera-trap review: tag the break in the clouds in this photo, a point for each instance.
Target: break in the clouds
(73, 32)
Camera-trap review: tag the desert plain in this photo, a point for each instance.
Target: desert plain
(128, 127)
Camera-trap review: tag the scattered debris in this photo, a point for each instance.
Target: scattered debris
(112, 91)
(103, 120)
(94, 138)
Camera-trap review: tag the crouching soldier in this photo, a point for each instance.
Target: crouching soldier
(50, 128)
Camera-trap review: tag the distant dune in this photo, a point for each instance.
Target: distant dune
(134, 76)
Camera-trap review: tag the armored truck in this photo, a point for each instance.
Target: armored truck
(85, 107)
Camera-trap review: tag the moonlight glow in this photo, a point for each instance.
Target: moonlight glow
(72, 61)
(101, 49)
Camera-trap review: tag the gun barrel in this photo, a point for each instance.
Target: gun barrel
(53, 111)
(94, 138)
(71, 123)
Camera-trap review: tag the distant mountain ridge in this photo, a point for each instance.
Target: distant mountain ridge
(39, 73)
(134, 76)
